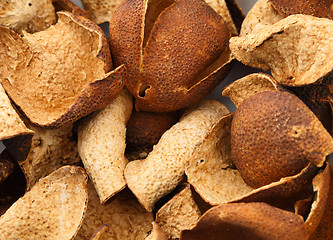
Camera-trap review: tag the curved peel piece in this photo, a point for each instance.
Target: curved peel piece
(210, 169)
(324, 230)
(11, 124)
(158, 42)
(317, 8)
(101, 145)
(124, 215)
(164, 168)
(53, 209)
(54, 79)
(321, 187)
(251, 221)
(179, 213)
(100, 11)
(264, 49)
(260, 16)
(249, 85)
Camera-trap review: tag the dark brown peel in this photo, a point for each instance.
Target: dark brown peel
(251, 221)
(166, 68)
(276, 134)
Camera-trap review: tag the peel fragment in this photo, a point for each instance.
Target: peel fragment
(53, 209)
(158, 42)
(101, 145)
(48, 150)
(249, 85)
(179, 213)
(164, 168)
(54, 79)
(308, 36)
(247, 221)
(124, 215)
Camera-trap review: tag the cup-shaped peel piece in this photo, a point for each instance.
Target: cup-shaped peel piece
(275, 135)
(251, 221)
(61, 74)
(53, 209)
(175, 52)
(164, 168)
(274, 47)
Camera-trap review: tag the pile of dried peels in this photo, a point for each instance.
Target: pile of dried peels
(111, 138)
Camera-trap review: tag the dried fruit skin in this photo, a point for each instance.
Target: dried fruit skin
(166, 69)
(251, 221)
(275, 135)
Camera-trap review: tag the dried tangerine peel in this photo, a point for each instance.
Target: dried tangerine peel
(157, 233)
(50, 149)
(221, 7)
(101, 144)
(126, 218)
(321, 188)
(60, 74)
(179, 213)
(324, 230)
(156, 40)
(100, 11)
(28, 15)
(164, 168)
(247, 221)
(260, 16)
(308, 36)
(275, 135)
(210, 169)
(11, 125)
(317, 8)
(248, 86)
(54, 208)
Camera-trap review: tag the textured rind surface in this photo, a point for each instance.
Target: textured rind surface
(261, 15)
(179, 213)
(321, 187)
(126, 218)
(209, 169)
(67, 5)
(53, 209)
(324, 230)
(28, 15)
(164, 168)
(67, 91)
(144, 129)
(168, 73)
(275, 134)
(101, 145)
(11, 124)
(252, 221)
(157, 233)
(249, 85)
(100, 11)
(49, 150)
(308, 36)
(317, 8)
